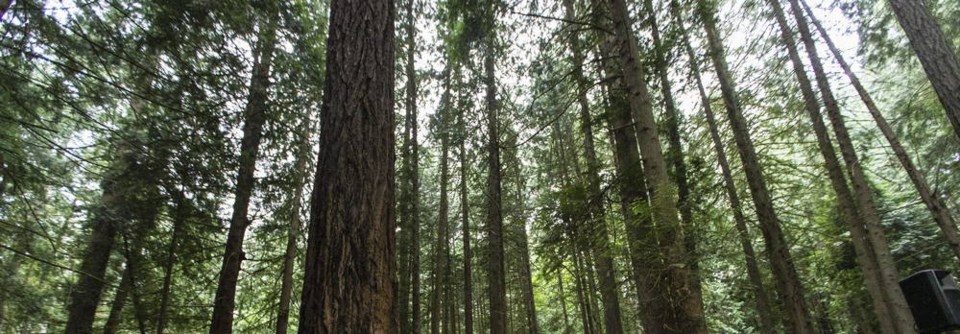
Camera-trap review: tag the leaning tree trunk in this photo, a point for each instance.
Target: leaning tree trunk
(601, 241)
(352, 219)
(762, 303)
(785, 273)
(685, 307)
(938, 209)
(255, 115)
(935, 51)
(897, 303)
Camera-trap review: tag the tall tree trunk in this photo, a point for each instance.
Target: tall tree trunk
(495, 270)
(684, 305)
(902, 316)
(293, 231)
(938, 209)
(465, 219)
(608, 284)
(409, 298)
(645, 259)
(935, 51)
(762, 303)
(675, 158)
(255, 115)
(352, 219)
(778, 252)
(849, 212)
(441, 247)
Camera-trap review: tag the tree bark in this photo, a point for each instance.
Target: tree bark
(293, 231)
(441, 248)
(255, 115)
(762, 303)
(409, 298)
(465, 221)
(935, 51)
(601, 241)
(684, 307)
(778, 252)
(899, 310)
(180, 215)
(119, 301)
(934, 204)
(349, 284)
(495, 270)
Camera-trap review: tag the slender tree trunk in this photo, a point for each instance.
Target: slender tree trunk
(685, 308)
(352, 220)
(762, 303)
(563, 303)
(119, 301)
(902, 316)
(675, 159)
(495, 270)
(935, 51)
(526, 274)
(255, 115)
(87, 292)
(293, 231)
(440, 249)
(179, 219)
(645, 259)
(465, 221)
(608, 284)
(938, 209)
(409, 298)
(788, 281)
(849, 213)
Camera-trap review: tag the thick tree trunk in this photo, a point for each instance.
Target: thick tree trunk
(762, 303)
(938, 209)
(935, 51)
(255, 115)
(352, 219)
(785, 273)
(601, 241)
(293, 231)
(684, 306)
(899, 310)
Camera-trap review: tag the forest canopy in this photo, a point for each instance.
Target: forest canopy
(463, 166)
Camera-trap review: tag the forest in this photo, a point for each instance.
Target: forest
(475, 166)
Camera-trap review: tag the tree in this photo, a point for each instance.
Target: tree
(936, 53)
(255, 115)
(352, 219)
(784, 270)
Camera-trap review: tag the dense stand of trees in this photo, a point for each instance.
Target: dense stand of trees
(584, 166)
